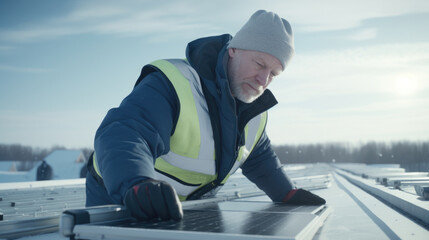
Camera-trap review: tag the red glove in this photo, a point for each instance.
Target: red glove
(302, 197)
(153, 199)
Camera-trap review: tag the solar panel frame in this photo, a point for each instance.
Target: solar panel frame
(220, 220)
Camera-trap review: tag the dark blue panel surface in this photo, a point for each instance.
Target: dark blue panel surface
(239, 217)
(250, 206)
(257, 223)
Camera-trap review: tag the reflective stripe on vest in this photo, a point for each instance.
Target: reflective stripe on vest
(95, 165)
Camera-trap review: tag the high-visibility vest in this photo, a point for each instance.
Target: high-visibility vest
(190, 164)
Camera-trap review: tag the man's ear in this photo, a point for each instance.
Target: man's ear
(231, 52)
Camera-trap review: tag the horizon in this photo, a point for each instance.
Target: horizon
(347, 145)
(360, 71)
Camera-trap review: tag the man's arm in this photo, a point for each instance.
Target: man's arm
(264, 169)
(133, 135)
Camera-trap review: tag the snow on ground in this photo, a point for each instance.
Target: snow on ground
(66, 164)
(17, 176)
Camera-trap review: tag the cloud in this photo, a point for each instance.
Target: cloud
(37, 33)
(188, 18)
(364, 34)
(48, 128)
(310, 16)
(385, 120)
(89, 13)
(23, 69)
(113, 19)
(6, 48)
(350, 95)
(361, 70)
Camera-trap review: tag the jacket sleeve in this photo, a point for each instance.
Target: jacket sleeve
(264, 169)
(133, 135)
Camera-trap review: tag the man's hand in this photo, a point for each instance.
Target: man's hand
(303, 197)
(153, 199)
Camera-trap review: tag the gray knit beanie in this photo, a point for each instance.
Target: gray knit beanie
(266, 32)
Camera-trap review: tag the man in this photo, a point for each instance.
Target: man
(189, 124)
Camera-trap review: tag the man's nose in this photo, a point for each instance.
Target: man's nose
(263, 78)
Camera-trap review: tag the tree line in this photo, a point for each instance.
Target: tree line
(413, 156)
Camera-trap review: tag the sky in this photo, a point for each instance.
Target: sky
(360, 71)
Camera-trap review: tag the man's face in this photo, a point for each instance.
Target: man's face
(250, 73)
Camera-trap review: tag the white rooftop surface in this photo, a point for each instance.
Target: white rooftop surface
(356, 214)
(359, 215)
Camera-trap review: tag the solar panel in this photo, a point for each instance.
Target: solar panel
(231, 219)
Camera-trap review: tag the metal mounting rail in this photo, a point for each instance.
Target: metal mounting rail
(402, 200)
(422, 191)
(70, 218)
(21, 228)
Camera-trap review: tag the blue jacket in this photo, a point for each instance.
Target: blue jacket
(133, 135)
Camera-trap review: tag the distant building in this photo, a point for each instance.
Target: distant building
(44, 172)
(65, 164)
